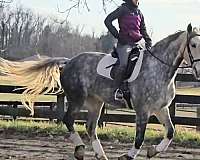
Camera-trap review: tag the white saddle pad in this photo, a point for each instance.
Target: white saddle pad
(107, 60)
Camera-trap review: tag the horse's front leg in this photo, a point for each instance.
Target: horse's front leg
(141, 123)
(73, 136)
(164, 118)
(94, 110)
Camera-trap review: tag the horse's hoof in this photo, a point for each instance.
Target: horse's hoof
(125, 157)
(79, 152)
(101, 158)
(151, 152)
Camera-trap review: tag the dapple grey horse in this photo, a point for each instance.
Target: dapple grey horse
(151, 93)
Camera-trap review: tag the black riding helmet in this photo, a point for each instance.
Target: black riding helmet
(130, 3)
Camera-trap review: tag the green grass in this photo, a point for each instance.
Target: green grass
(121, 133)
(32, 127)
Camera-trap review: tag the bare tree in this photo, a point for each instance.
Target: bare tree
(23, 34)
(3, 27)
(5, 2)
(84, 5)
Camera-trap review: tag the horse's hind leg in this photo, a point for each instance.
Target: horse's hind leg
(68, 120)
(164, 118)
(94, 107)
(141, 122)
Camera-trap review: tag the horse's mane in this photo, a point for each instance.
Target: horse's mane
(164, 43)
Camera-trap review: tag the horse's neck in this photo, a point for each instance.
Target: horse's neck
(171, 54)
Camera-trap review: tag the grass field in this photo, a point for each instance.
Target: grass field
(18, 97)
(111, 132)
(188, 91)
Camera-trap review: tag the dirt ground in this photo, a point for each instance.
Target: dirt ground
(21, 147)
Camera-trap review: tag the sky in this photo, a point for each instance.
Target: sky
(162, 17)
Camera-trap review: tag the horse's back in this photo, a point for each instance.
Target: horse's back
(90, 55)
(81, 71)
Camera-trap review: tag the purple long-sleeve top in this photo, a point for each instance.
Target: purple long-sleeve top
(131, 24)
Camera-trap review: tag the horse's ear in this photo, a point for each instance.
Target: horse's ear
(189, 28)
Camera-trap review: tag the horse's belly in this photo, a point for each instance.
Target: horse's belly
(164, 99)
(153, 99)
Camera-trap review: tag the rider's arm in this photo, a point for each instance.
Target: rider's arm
(144, 33)
(110, 18)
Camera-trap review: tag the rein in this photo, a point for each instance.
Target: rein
(192, 60)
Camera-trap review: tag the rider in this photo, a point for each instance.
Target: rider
(131, 29)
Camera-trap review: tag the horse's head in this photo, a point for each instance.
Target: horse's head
(191, 50)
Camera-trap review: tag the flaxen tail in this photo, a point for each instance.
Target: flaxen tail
(37, 77)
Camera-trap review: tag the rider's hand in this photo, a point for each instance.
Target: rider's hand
(148, 47)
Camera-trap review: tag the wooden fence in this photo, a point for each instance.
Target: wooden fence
(55, 107)
(47, 106)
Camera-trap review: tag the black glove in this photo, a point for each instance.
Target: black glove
(148, 46)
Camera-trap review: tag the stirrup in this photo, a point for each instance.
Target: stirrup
(119, 95)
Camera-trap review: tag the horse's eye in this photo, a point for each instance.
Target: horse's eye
(193, 45)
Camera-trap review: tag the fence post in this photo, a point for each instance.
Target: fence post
(198, 116)
(172, 111)
(52, 108)
(60, 110)
(15, 113)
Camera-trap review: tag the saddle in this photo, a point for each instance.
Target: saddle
(133, 57)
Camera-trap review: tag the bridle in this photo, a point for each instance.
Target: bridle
(187, 46)
(192, 60)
